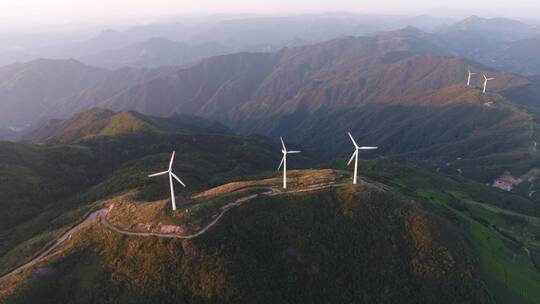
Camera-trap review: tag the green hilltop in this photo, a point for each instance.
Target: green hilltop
(47, 188)
(402, 233)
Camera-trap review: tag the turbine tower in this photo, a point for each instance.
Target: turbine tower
(284, 162)
(485, 83)
(171, 176)
(355, 156)
(469, 78)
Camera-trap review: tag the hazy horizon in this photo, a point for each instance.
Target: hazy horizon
(40, 15)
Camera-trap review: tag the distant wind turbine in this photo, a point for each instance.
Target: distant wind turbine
(171, 176)
(469, 78)
(355, 156)
(284, 162)
(485, 82)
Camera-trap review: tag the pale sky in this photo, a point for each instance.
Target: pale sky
(28, 14)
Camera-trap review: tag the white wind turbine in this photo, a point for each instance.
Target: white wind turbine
(284, 162)
(469, 78)
(171, 176)
(355, 156)
(485, 82)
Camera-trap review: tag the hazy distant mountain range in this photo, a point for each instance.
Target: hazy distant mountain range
(410, 79)
(28, 90)
(149, 45)
(233, 34)
(154, 52)
(388, 88)
(500, 43)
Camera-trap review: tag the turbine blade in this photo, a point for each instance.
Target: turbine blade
(293, 152)
(485, 76)
(158, 174)
(281, 163)
(172, 159)
(283, 144)
(368, 148)
(353, 141)
(176, 177)
(352, 157)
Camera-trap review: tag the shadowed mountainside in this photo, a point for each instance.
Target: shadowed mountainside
(395, 76)
(470, 134)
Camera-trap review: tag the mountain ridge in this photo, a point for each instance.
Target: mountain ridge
(102, 122)
(427, 243)
(269, 92)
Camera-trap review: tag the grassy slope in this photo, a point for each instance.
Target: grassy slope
(33, 178)
(101, 122)
(495, 228)
(482, 226)
(350, 244)
(128, 213)
(62, 183)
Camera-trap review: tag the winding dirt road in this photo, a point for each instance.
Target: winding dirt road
(102, 216)
(66, 236)
(105, 222)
